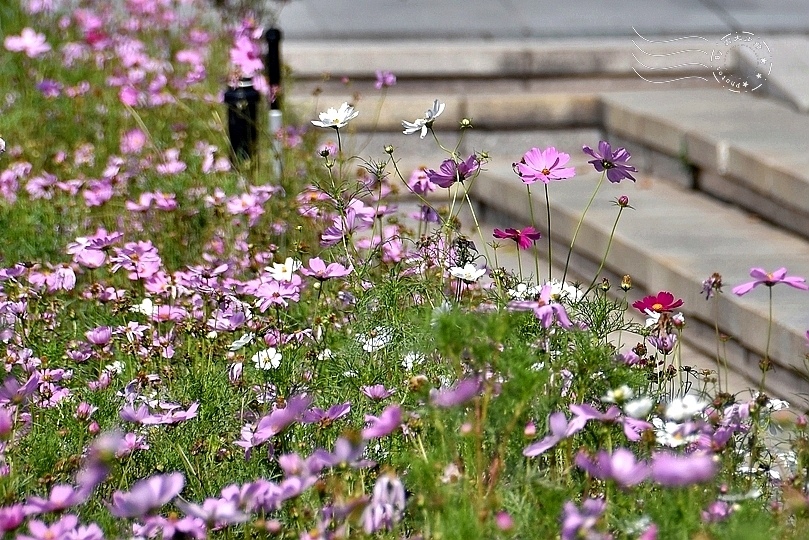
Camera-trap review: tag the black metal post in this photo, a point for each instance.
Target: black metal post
(273, 66)
(242, 102)
(273, 38)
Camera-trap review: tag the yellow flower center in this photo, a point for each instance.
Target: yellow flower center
(546, 172)
(657, 307)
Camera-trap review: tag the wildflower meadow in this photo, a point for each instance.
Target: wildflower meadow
(301, 343)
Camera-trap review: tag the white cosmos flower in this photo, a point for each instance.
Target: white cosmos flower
(684, 408)
(412, 359)
(652, 318)
(267, 359)
(146, 307)
(564, 290)
(638, 408)
(469, 273)
(284, 271)
(376, 339)
(336, 118)
(2, 145)
(241, 342)
(422, 124)
(672, 434)
(523, 291)
(116, 368)
(618, 395)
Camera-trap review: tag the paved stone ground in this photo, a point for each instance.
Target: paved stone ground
(544, 19)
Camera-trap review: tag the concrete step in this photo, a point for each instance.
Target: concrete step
(735, 147)
(598, 64)
(673, 240)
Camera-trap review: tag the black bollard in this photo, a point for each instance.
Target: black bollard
(273, 38)
(273, 65)
(242, 102)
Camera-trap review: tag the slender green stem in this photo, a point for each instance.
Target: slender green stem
(477, 224)
(550, 245)
(765, 365)
(718, 353)
(581, 220)
(606, 253)
(519, 263)
(441, 146)
(534, 225)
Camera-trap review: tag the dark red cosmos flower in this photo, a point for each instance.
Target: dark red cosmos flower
(524, 237)
(662, 301)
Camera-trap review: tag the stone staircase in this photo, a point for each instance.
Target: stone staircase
(723, 183)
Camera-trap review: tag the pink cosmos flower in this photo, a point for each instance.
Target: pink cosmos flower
(524, 237)
(146, 495)
(64, 528)
(214, 511)
(458, 394)
(97, 192)
(11, 517)
(246, 56)
(621, 466)
(384, 79)
(579, 523)
(317, 415)
(717, 511)
(451, 171)
(318, 270)
(133, 141)
(29, 42)
(86, 253)
(762, 277)
(544, 166)
(171, 164)
(140, 259)
(560, 429)
(276, 293)
(62, 496)
(545, 308)
(419, 183)
(682, 470)
(387, 422)
(376, 392)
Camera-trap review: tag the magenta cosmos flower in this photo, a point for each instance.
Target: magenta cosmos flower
(615, 163)
(762, 277)
(658, 303)
(544, 166)
(524, 237)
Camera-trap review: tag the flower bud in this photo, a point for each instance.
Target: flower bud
(626, 282)
(605, 284)
(389, 149)
(623, 201)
